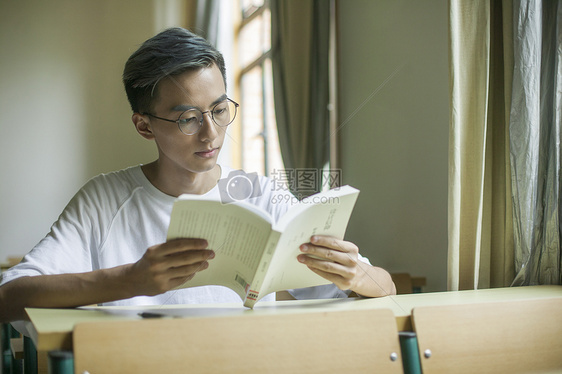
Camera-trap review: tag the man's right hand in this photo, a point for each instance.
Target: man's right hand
(169, 265)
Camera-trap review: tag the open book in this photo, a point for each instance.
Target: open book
(253, 255)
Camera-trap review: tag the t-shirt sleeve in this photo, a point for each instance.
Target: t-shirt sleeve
(65, 249)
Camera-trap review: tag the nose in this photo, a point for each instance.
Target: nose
(209, 130)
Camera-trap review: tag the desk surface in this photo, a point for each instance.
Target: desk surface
(52, 328)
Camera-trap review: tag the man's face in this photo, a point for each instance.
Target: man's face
(200, 89)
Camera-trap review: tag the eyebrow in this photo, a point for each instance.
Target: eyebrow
(184, 107)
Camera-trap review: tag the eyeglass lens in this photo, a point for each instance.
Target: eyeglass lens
(222, 114)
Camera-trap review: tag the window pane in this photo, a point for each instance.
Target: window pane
(275, 161)
(259, 141)
(252, 121)
(266, 30)
(255, 38)
(250, 6)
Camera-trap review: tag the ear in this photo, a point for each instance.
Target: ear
(142, 124)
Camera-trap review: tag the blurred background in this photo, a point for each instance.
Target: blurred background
(64, 117)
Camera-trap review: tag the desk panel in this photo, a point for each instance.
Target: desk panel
(52, 328)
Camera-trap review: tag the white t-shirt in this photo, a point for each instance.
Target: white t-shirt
(115, 217)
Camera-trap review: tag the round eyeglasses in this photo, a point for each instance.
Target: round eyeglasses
(190, 121)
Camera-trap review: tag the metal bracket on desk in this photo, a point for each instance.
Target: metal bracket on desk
(8, 362)
(410, 353)
(61, 362)
(29, 356)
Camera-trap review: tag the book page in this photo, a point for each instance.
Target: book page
(326, 213)
(237, 233)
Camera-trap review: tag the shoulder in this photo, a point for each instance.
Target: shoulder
(106, 191)
(112, 184)
(115, 180)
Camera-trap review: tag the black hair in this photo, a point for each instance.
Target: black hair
(169, 53)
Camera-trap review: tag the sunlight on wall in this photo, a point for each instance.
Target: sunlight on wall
(169, 13)
(64, 115)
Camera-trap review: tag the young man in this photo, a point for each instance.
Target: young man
(109, 244)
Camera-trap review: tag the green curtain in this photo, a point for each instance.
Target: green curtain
(300, 47)
(207, 19)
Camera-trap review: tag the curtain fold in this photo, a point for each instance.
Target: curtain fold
(504, 154)
(480, 244)
(469, 57)
(203, 18)
(299, 53)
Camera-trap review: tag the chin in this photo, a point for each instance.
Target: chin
(205, 167)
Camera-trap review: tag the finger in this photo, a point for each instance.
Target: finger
(328, 254)
(187, 270)
(334, 243)
(178, 245)
(182, 244)
(188, 257)
(340, 282)
(347, 272)
(179, 275)
(173, 277)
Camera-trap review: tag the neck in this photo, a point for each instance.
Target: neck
(175, 183)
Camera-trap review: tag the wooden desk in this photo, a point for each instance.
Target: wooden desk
(10, 261)
(51, 329)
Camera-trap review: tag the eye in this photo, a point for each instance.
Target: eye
(189, 117)
(220, 109)
(185, 121)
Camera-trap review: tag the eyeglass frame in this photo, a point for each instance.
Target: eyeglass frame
(177, 122)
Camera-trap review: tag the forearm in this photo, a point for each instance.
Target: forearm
(64, 290)
(373, 281)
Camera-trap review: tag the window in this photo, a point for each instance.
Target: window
(258, 141)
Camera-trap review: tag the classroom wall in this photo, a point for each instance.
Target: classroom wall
(64, 116)
(393, 91)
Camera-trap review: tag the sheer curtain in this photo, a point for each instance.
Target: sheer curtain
(535, 140)
(504, 143)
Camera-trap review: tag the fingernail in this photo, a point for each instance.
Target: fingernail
(301, 259)
(304, 247)
(314, 239)
(212, 255)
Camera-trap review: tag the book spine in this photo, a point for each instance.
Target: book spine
(255, 293)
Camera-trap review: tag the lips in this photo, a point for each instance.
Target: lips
(207, 153)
